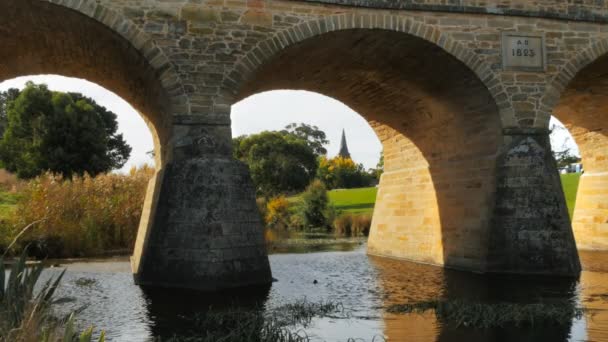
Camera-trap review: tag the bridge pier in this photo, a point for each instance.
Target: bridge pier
(203, 230)
(530, 231)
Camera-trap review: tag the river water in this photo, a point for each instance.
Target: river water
(363, 284)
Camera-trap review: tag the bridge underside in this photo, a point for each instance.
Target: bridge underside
(453, 189)
(584, 111)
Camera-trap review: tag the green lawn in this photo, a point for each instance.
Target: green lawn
(570, 185)
(354, 200)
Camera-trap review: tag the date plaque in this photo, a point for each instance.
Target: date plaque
(523, 51)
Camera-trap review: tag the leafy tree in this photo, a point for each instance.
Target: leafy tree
(315, 137)
(5, 98)
(59, 132)
(279, 163)
(342, 173)
(564, 156)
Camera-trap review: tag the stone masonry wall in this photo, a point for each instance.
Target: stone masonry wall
(208, 54)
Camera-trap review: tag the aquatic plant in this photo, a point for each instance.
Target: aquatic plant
(26, 315)
(282, 324)
(490, 315)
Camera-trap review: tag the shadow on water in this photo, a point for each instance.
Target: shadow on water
(174, 312)
(404, 283)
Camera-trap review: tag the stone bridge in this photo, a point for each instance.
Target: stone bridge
(459, 92)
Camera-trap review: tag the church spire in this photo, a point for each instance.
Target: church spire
(343, 147)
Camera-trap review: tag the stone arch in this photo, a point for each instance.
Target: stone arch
(564, 77)
(578, 97)
(141, 41)
(438, 122)
(84, 39)
(245, 67)
(156, 70)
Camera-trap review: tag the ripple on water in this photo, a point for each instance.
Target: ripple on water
(363, 284)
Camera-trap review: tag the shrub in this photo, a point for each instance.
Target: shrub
(277, 213)
(343, 225)
(361, 224)
(261, 202)
(352, 224)
(84, 216)
(314, 210)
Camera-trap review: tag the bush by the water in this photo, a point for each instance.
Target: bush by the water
(353, 224)
(314, 209)
(277, 214)
(84, 216)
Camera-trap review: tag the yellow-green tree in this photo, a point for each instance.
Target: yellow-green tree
(340, 172)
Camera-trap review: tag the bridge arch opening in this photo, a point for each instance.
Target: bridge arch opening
(583, 109)
(40, 37)
(439, 126)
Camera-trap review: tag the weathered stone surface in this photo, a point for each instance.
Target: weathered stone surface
(207, 233)
(530, 230)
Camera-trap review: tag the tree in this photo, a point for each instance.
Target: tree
(563, 155)
(278, 163)
(342, 173)
(314, 137)
(59, 132)
(5, 98)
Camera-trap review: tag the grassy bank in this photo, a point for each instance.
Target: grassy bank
(570, 186)
(354, 200)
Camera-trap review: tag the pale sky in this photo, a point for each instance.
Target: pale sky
(266, 111)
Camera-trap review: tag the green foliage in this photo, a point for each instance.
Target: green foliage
(313, 210)
(277, 214)
(564, 158)
(25, 316)
(85, 216)
(278, 163)
(5, 98)
(62, 133)
(342, 173)
(315, 138)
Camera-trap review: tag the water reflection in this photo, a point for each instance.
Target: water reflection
(410, 283)
(365, 285)
(174, 312)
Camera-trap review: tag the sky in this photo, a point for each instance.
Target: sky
(265, 111)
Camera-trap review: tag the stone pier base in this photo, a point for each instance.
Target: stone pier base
(206, 233)
(531, 231)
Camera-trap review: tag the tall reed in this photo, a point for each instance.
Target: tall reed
(84, 216)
